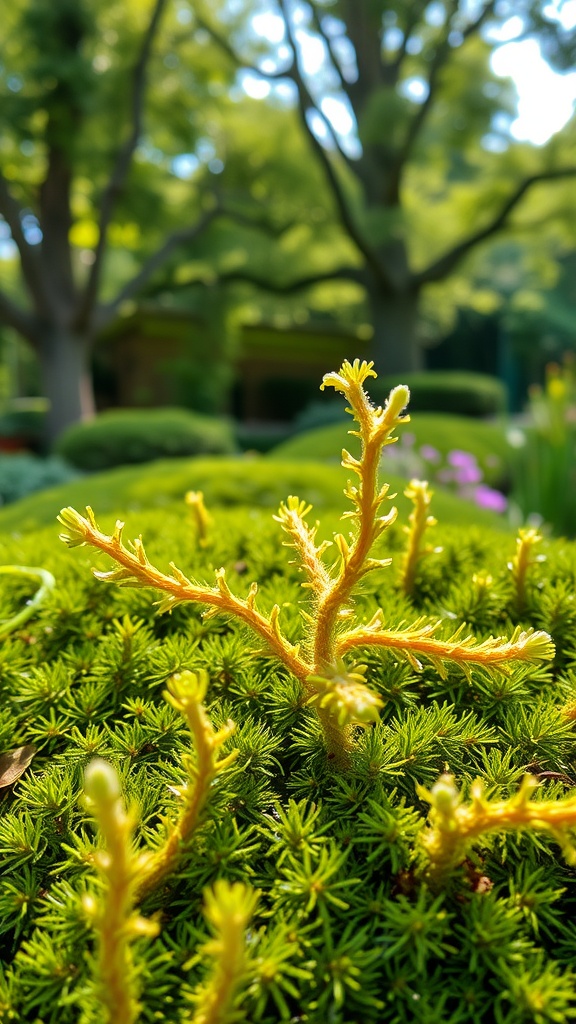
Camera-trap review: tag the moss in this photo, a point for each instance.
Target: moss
(224, 482)
(348, 926)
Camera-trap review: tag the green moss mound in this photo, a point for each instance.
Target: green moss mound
(224, 482)
(345, 932)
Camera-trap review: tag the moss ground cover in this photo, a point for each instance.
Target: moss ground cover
(227, 483)
(185, 827)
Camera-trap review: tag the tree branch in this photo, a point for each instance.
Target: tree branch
(229, 50)
(392, 68)
(29, 255)
(306, 104)
(443, 266)
(289, 287)
(317, 19)
(122, 164)
(438, 62)
(270, 75)
(153, 263)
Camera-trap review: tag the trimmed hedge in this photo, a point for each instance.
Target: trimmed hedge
(455, 391)
(122, 437)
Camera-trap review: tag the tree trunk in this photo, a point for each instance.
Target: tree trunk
(66, 379)
(395, 347)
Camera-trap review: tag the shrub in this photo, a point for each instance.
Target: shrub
(454, 391)
(26, 474)
(124, 436)
(318, 414)
(222, 865)
(443, 432)
(258, 437)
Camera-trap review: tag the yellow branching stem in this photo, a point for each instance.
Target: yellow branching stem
(418, 640)
(521, 562)
(111, 912)
(291, 517)
(228, 908)
(337, 691)
(200, 516)
(375, 430)
(137, 571)
(419, 520)
(453, 826)
(186, 691)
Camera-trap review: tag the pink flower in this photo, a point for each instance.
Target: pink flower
(429, 453)
(460, 459)
(468, 475)
(487, 497)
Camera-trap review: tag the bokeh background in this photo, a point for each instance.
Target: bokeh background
(204, 206)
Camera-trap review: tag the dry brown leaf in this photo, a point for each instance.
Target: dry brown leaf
(13, 763)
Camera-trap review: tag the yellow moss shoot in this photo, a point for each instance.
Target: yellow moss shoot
(521, 562)
(454, 826)
(112, 911)
(186, 691)
(338, 692)
(420, 495)
(376, 430)
(228, 908)
(343, 700)
(200, 516)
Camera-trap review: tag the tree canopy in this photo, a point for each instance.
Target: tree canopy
(183, 144)
(428, 171)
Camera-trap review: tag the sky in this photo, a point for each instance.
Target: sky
(545, 99)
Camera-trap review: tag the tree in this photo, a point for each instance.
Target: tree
(99, 98)
(434, 173)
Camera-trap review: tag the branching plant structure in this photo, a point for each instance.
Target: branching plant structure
(336, 688)
(344, 794)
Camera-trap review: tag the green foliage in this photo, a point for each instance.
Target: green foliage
(26, 424)
(24, 474)
(299, 892)
(543, 463)
(449, 391)
(125, 436)
(343, 929)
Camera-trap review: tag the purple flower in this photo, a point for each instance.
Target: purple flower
(430, 454)
(458, 458)
(468, 474)
(487, 497)
(408, 439)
